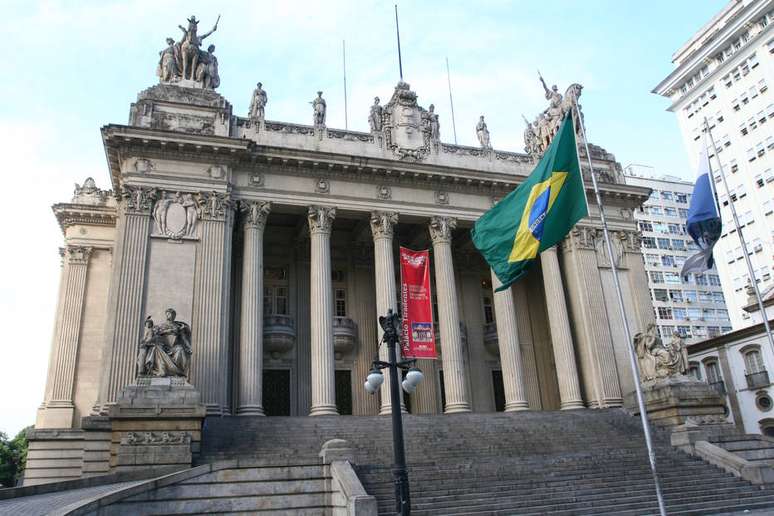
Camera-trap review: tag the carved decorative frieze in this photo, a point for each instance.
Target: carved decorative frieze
(581, 237)
(144, 166)
(383, 223)
(321, 219)
(256, 213)
(441, 229)
(155, 438)
(76, 254)
(617, 239)
(138, 199)
(322, 186)
(217, 171)
(441, 197)
(175, 215)
(257, 179)
(383, 192)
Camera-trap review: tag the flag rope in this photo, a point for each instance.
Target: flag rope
(627, 332)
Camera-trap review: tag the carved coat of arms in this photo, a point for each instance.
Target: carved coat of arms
(403, 124)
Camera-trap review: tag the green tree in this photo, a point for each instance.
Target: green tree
(13, 456)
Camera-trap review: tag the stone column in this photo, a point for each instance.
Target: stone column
(59, 408)
(382, 224)
(123, 327)
(251, 317)
(210, 314)
(561, 337)
(510, 353)
(321, 304)
(455, 382)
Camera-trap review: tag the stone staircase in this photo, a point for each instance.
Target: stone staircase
(757, 449)
(571, 462)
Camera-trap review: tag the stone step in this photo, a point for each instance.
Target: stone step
(259, 474)
(285, 502)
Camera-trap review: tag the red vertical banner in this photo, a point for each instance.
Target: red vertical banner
(418, 336)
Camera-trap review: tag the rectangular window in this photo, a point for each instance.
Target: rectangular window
(645, 225)
(684, 331)
(676, 296)
(268, 298)
(672, 278)
(652, 259)
(281, 300)
(670, 212)
(690, 296)
(340, 297)
(664, 312)
(714, 280)
(656, 277)
(679, 313)
(664, 243)
(660, 294)
(649, 242)
(678, 245)
(701, 279)
(667, 196)
(681, 198)
(667, 260)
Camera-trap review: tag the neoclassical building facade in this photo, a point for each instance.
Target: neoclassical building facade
(278, 244)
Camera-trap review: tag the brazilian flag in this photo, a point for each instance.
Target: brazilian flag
(536, 215)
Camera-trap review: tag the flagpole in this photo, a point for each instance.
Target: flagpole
(344, 66)
(627, 332)
(750, 270)
(451, 102)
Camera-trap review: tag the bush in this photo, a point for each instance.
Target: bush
(13, 456)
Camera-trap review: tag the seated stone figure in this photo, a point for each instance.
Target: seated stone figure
(655, 359)
(165, 350)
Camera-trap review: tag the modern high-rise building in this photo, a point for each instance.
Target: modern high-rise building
(695, 307)
(723, 75)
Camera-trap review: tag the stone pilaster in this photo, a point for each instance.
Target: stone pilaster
(123, 327)
(59, 408)
(251, 317)
(510, 353)
(590, 316)
(561, 336)
(210, 315)
(382, 224)
(455, 381)
(323, 364)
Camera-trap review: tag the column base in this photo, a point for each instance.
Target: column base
(572, 405)
(456, 408)
(250, 410)
(324, 410)
(386, 410)
(516, 406)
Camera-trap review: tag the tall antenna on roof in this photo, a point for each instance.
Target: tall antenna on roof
(451, 102)
(344, 58)
(397, 31)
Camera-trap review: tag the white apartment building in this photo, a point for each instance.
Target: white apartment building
(724, 74)
(695, 307)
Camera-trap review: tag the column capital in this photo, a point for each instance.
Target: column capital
(581, 237)
(137, 199)
(383, 223)
(441, 229)
(77, 254)
(215, 205)
(256, 213)
(321, 219)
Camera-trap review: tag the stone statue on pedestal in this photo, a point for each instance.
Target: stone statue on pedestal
(189, 47)
(656, 359)
(168, 70)
(258, 102)
(165, 349)
(483, 133)
(319, 108)
(375, 116)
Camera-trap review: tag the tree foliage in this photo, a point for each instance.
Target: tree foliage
(13, 456)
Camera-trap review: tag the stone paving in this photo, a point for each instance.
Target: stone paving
(37, 505)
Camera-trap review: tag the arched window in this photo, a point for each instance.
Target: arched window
(767, 426)
(694, 370)
(753, 360)
(713, 371)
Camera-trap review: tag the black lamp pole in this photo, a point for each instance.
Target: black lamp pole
(390, 325)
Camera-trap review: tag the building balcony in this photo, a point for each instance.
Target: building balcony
(279, 334)
(719, 387)
(491, 342)
(344, 336)
(757, 380)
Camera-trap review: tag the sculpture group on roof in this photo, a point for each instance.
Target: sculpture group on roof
(538, 134)
(185, 60)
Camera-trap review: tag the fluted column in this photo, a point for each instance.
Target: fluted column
(382, 224)
(61, 374)
(561, 337)
(510, 352)
(251, 317)
(455, 382)
(323, 365)
(123, 326)
(210, 308)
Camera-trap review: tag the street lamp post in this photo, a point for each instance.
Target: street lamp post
(390, 324)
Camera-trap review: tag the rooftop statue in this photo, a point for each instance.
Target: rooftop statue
(319, 109)
(659, 360)
(185, 60)
(165, 349)
(538, 134)
(483, 133)
(375, 116)
(258, 103)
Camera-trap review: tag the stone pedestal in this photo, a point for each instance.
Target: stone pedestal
(680, 400)
(156, 424)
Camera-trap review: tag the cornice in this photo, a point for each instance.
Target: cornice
(71, 214)
(248, 155)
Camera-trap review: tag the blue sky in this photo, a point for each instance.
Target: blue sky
(71, 67)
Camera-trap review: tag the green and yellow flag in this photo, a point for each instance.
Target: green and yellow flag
(538, 214)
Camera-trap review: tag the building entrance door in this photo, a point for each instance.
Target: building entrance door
(499, 390)
(344, 392)
(276, 392)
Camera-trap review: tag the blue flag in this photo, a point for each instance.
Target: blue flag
(704, 223)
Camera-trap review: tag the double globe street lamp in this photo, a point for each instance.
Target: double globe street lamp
(390, 324)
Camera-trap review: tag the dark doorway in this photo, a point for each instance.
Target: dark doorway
(443, 390)
(276, 392)
(499, 390)
(344, 392)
